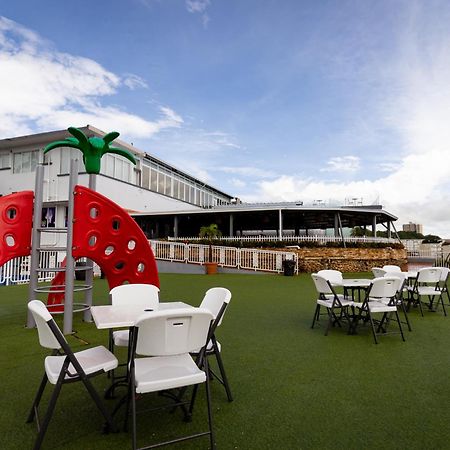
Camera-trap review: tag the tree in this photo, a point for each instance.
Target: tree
(210, 233)
(431, 239)
(93, 148)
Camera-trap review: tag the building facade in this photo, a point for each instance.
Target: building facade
(150, 185)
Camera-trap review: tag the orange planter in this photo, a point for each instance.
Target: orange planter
(211, 268)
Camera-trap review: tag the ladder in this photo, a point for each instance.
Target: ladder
(69, 287)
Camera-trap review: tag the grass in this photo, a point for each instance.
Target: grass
(294, 388)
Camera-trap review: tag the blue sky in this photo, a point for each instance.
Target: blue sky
(266, 100)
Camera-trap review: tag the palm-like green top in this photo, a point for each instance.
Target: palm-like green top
(93, 148)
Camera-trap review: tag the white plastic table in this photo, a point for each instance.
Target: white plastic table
(113, 316)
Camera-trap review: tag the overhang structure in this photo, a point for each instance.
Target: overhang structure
(281, 219)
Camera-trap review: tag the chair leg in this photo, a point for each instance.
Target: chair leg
(222, 371)
(406, 316)
(208, 400)
(100, 405)
(37, 400)
(194, 395)
(133, 412)
(399, 325)
(330, 320)
(48, 414)
(373, 328)
(316, 315)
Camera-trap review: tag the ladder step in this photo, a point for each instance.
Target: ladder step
(62, 269)
(61, 288)
(52, 230)
(56, 249)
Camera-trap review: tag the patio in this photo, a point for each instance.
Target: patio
(293, 387)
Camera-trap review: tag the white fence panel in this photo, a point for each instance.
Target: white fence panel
(240, 258)
(17, 270)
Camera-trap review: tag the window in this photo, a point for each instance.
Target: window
(145, 177)
(25, 161)
(168, 187)
(48, 217)
(176, 187)
(67, 154)
(153, 180)
(5, 161)
(161, 183)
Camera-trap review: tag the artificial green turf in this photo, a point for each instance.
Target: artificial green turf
(293, 387)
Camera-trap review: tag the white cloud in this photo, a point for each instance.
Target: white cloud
(342, 164)
(133, 81)
(413, 104)
(247, 171)
(199, 7)
(42, 89)
(237, 183)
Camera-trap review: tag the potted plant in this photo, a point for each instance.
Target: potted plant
(210, 233)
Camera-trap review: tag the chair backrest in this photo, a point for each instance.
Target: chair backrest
(172, 332)
(378, 272)
(391, 268)
(333, 276)
(385, 287)
(322, 284)
(400, 276)
(135, 294)
(445, 271)
(429, 275)
(42, 317)
(214, 300)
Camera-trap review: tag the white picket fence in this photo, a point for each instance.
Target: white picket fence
(17, 270)
(239, 258)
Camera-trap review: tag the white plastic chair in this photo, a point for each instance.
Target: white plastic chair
(333, 276)
(165, 339)
(331, 301)
(402, 287)
(378, 272)
(443, 282)
(428, 284)
(64, 366)
(216, 300)
(392, 268)
(145, 295)
(380, 298)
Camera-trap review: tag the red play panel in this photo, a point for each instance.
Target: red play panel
(16, 219)
(108, 235)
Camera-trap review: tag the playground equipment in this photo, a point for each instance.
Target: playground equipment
(16, 213)
(97, 229)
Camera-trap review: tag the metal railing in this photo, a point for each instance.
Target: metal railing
(17, 270)
(239, 258)
(320, 239)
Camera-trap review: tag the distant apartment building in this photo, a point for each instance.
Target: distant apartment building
(414, 227)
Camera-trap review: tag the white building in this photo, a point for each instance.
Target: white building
(150, 185)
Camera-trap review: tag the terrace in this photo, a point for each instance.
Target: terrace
(293, 387)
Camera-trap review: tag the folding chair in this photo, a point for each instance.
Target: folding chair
(165, 339)
(145, 295)
(331, 301)
(428, 284)
(378, 272)
(380, 298)
(333, 276)
(66, 367)
(392, 268)
(443, 282)
(216, 300)
(401, 289)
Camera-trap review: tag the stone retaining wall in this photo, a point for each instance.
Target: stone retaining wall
(348, 259)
